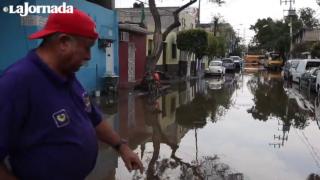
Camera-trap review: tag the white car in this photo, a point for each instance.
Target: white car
(302, 67)
(288, 68)
(318, 83)
(215, 83)
(215, 68)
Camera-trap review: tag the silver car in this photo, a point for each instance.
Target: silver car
(237, 60)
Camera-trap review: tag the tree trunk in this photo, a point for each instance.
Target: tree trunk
(188, 64)
(158, 36)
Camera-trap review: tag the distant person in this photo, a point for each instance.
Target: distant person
(48, 127)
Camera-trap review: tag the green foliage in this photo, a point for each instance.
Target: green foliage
(307, 17)
(315, 50)
(216, 46)
(275, 34)
(302, 47)
(213, 44)
(194, 40)
(221, 46)
(272, 35)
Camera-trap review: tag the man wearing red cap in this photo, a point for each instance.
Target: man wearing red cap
(48, 127)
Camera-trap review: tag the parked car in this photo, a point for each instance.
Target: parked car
(237, 60)
(302, 101)
(302, 67)
(308, 79)
(228, 64)
(317, 110)
(289, 65)
(215, 83)
(215, 68)
(318, 83)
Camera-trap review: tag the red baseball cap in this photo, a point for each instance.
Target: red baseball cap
(76, 23)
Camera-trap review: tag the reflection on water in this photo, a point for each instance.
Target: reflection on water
(241, 126)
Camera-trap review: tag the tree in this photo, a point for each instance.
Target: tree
(159, 36)
(194, 40)
(212, 46)
(222, 47)
(307, 18)
(302, 47)
(271, 35)
(216, 21)
(274, 34)
(315, 50)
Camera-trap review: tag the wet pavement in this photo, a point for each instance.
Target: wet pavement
(246, 125)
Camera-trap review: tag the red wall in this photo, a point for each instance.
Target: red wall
(140, 42)
(123, 63)
(140, 54)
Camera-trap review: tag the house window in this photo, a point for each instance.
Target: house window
(183, 23)
(174, 51)
(124, 36)
(150, 42)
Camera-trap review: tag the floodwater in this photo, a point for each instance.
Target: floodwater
(247, 125)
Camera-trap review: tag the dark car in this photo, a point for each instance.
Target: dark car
(308, 79)
(228, 64)
(237, 60)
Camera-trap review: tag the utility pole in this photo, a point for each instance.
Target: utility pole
(291, 14)
(199, 13)
(281, 139)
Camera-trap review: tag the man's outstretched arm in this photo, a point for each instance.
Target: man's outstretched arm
(5, 173)
(107, 135)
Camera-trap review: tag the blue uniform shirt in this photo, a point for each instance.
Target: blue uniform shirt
(47, 124)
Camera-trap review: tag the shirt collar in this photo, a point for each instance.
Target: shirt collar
(53, 76)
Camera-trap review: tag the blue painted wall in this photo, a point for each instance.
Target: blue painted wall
(14, 43)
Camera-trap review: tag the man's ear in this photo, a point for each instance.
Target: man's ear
(64, 42)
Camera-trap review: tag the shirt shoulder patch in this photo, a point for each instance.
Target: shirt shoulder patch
(86, 101)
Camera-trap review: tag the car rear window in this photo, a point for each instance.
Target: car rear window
(227, 61)
(235, 58)
(312, 64)
(215, 63)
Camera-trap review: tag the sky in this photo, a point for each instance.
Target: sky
(239, 13)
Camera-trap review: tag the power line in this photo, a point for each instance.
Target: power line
(311, 149)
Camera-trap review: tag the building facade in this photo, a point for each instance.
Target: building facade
(170, 59)
(132, 54)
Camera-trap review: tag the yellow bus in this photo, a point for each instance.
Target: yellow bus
(273, 60)
(252, 59)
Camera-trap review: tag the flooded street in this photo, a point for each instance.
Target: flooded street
(246, 125)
